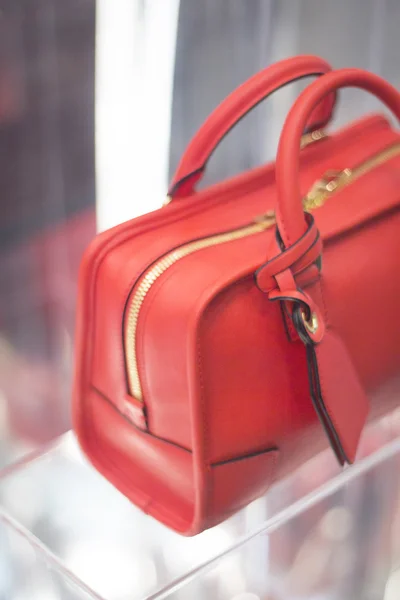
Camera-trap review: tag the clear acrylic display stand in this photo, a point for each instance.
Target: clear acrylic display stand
(322, 534)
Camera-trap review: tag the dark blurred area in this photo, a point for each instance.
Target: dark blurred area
(47, 115)
(47, 213)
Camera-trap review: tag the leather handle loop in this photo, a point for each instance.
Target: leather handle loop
(236, 106)
(290, 216)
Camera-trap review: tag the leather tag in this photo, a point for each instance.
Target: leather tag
(337, 394)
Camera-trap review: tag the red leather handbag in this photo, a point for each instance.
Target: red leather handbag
(234, 333)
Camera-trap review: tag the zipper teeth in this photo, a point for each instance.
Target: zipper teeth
(155, 272)
(353, 174)
(162, 265)
(375, 161)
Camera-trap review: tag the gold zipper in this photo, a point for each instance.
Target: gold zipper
(333, 181)
(260, 224)
(313, 136)
(330, 183)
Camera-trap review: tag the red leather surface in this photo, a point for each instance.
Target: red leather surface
(235, 106)
(225, 388)
(344, 398)
(227, 480)
(155, 475)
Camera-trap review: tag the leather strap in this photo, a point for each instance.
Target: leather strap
(236, 106)
(336, 392)
(298, 257)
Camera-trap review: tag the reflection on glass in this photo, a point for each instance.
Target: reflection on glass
(345, 546)
(322, 533)
(26, 574)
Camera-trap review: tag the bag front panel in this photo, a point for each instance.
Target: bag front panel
(361, 290)
(250, 372)
(255, 380)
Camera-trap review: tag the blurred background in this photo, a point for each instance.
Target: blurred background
(97, 103)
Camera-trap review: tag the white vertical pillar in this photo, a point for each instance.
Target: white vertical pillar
(135, 57)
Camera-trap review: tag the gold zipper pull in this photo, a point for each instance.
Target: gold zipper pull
(322, 188)
(266, 219)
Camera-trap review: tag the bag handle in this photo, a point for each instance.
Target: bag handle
(290, 216)
(333, 378)
(236, 106)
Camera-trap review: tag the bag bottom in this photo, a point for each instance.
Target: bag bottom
(163, 479)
